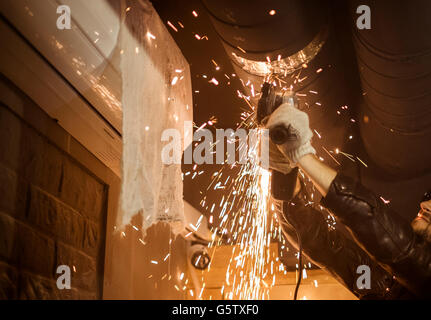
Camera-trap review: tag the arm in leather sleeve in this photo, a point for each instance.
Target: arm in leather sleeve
(382, 233)
(334, 251)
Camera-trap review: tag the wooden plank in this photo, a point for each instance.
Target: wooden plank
(318, 284)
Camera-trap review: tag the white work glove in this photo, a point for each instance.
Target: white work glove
(277, 160)
(298, 146)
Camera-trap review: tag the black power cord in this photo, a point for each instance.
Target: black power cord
(298, 283)
(283, 221)
(283, 189)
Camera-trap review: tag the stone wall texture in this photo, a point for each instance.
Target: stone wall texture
(52, 209)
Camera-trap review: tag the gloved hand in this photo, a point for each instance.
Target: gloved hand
(277, 160)
(299, 143)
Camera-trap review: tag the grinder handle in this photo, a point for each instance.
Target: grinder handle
(281, 134)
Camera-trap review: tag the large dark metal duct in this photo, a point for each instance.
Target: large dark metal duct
(247, 24)
(298, 31)
(394, 59)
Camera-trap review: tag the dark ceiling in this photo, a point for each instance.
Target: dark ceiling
(209, 100)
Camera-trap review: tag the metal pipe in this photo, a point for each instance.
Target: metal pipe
(394, 59)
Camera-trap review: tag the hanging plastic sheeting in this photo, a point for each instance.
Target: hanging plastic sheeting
(156, 96)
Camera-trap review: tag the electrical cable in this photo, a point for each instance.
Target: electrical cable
(300, 264)
(298, 283)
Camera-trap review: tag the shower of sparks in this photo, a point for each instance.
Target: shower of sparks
(245, 222)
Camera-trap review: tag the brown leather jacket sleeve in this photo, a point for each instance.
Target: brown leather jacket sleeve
(382, 233)
(335, 251)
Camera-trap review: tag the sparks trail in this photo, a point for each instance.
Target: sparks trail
(244, 223)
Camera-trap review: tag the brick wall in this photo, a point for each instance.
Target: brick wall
(52, 208)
